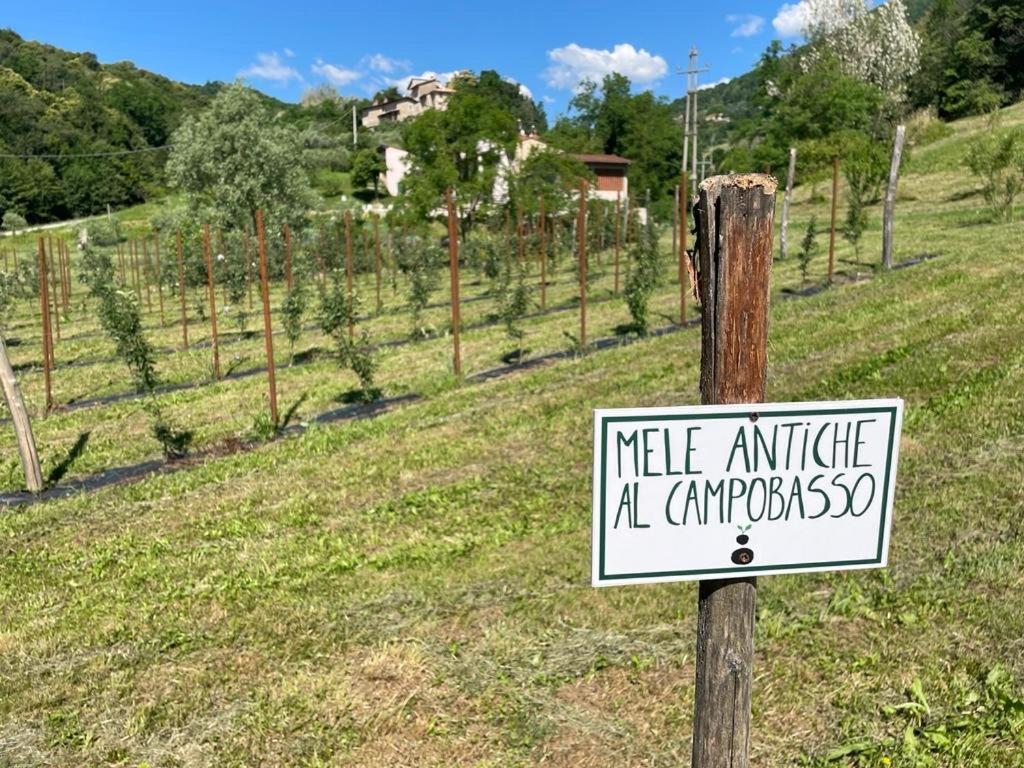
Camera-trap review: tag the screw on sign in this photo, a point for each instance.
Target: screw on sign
(723, 492)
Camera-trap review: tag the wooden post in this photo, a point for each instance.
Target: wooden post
(376, 257)
(268, 332)
(181, 290)
(120, 262)
(135, 270)
(211, 291)
(453, 261)
(62, 265)
(543, 258)
(22, 425)
(734, 247)
(783, 231)
(581, 234)
(618, 206)
(53, 285)
(159, 277)
(889, 210)
(44, 308)
(832, 225)
(348, 275)
(683, 271)
(147, 273)
(288, 257)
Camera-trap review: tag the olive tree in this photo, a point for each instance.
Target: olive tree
(234, 158)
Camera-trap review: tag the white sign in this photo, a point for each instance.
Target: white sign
(727, 490)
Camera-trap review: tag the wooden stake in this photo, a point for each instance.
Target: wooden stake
(147, 273)
(683, 271)
(784, 228)
(832, 225)
(453, 268)
(268, 332)
(288, 256)
(22, 424)
(376, 257)
(618, 237)
(159, 277)
(120, 261)
(581, 234)
(543, 258)
(44, 308)
(889, 210)
(734, 247)
(212, 292)
(181, 290)
(55, 298)
(348, 274)
(62, 265)
(135, 270)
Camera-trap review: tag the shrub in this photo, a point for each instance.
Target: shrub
(513, 302)
(13, 221)
(808, 248)
(292, 310)
(105, 232)
(642, 278)
(337, 313)
(997, 157)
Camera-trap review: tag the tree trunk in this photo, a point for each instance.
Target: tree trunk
(890, 198)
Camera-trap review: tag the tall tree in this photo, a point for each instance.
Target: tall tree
(233, 159)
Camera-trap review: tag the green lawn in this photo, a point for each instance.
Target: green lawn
(413, 589)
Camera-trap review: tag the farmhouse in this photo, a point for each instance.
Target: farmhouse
(423, 93)
(610, 170)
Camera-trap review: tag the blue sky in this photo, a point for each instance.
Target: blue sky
(284, 48)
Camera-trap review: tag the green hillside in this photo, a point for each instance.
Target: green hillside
(413, 589)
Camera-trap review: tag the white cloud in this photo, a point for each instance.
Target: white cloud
(791, 19)
(334, 74)
(269, 66)
(523, 90)
(378, 62)
(548, 99)
(289, 53)
(573, 63)
(720, 81)
(747, 24)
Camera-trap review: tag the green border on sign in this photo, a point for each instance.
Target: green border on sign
(887, 483)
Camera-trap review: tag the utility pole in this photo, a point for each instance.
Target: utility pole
(690, 122)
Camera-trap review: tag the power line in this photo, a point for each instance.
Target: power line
(86, 154)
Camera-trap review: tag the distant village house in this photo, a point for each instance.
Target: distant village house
(423, 93)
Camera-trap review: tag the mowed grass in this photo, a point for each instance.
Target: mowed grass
(413, 590)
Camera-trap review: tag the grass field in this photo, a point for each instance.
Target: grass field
(413, 589)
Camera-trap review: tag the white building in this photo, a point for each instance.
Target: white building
(422, 93)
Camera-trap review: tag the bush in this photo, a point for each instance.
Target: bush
(292, 310)
(808, 248)
(642, 279)
(997, 157)
(13, 221)
(105, 233)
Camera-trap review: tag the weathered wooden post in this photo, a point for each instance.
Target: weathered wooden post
(734, 252)
(543, 258)
(22, 425)
(453, 261)
(268, 331)
(832, 224)
(581, 234)
(181, 290)
(784, 228)
(44, 309)
(211, 291)
(348, 275)
(890, 197)
(376, 258)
